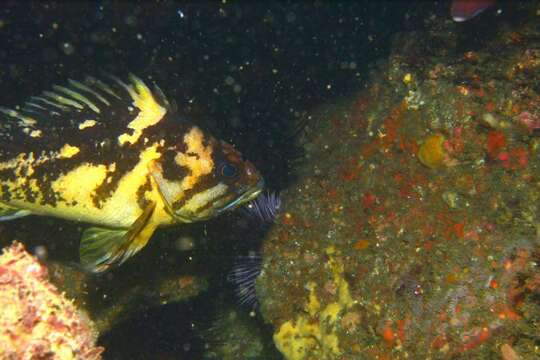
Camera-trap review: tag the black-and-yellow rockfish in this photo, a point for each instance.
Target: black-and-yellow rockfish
(118, 156)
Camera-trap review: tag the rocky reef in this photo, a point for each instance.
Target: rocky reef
(413, 229)
(37, 321)
(236, 334)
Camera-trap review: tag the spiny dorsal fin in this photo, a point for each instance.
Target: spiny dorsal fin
(100, 85)
(24, 119)
(86, 98)
(83, 87)
(161, 98)
(137, 87)
(60, 99)
(77, 96)
(108, 104)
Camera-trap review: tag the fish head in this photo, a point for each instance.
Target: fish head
(203, 177)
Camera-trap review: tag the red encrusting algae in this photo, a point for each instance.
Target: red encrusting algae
(427, 196)
(37, 321)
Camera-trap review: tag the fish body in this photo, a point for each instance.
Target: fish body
(116, 155)
(463, 10)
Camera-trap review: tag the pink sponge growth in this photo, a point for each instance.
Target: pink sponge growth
(36, 320)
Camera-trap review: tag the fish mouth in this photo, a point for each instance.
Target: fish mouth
(249, 195)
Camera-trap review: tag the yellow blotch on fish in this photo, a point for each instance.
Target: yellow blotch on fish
(151, 112)
(68, 151)
(35, 133)
(87, 124)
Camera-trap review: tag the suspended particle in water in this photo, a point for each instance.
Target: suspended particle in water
(41, 252)
(68, 48)
(229, 80)
(184, 243)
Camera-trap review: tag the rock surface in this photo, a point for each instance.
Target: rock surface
(36, 320)
(413, 229)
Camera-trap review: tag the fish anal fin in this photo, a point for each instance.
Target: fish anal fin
(102, 248)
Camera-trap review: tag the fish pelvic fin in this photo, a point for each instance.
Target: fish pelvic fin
(9, 213)
(103, 248)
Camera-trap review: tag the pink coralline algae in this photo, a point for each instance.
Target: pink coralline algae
(36, 320)
(528, 120)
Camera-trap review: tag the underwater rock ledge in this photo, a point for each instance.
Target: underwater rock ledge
(413, 229)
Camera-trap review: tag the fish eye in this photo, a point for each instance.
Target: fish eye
(228, 170)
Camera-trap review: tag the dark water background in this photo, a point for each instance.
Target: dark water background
(249, 71)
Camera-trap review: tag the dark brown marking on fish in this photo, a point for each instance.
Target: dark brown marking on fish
(141, 199)
(125, 162)
(203, 183)
(50, 197)
(171, 170)
(29, 194)
(6, 194)
(170, 129)
(49, 171)
(8, 174)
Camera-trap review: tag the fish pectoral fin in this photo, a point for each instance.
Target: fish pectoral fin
(8, 213)
(102, 248)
